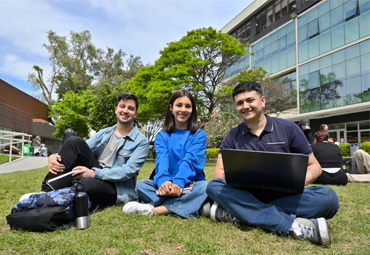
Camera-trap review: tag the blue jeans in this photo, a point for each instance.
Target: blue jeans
(278, 215)
(186, 206)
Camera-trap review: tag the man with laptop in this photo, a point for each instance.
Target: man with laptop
(108, 163)
(283, 211)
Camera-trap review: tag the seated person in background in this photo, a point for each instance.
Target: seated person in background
(330, 159)
(363, 167)
(181, 156)
(302, 215)
(42, 151)
(108, 162)
(304, 124)
(15, 150)
(325, 128)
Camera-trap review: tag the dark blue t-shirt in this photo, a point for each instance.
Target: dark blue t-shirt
(279, 135)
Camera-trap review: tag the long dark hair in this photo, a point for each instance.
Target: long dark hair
(169, 122)
(321, 136)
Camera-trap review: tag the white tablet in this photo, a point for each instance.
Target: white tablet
(61, 181)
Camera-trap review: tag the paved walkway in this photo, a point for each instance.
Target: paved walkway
(23, 164)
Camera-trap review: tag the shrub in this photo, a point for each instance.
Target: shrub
(212, 153)
(345, 150)
(365, 146)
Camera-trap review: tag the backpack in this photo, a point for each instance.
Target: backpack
(351, 166)
(45, 211)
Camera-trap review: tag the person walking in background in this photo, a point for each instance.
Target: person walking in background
(330, 160)
(179, 185)
(304, 124)
(69, 132)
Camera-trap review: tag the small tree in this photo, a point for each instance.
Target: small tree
(151, 129)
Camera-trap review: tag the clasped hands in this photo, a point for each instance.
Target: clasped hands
(169, 189)
(56, 167)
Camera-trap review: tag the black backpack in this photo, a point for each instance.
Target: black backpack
(44, 211)
(351, 166)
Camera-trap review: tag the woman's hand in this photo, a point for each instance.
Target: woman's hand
(176, 190)
(165, 189)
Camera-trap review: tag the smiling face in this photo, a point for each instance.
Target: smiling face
(249, 105)
(181, 110)
(126, 112)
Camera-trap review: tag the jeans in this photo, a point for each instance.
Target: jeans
(186, 206)
(279, 214)
(76, 152)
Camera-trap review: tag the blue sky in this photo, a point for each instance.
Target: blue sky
(139, 27)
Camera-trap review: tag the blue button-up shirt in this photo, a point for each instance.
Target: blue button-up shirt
(130, 157)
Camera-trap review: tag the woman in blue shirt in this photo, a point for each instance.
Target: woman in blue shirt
(180, 148)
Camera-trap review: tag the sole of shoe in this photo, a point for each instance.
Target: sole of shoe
(324, 231)
(213, 212)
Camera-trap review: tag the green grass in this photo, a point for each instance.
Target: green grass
(4, 158)
(112, 232)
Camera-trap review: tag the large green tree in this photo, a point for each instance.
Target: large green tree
(197, 62)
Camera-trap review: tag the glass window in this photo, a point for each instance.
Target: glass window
(314, 66)
(365, 63)
(260, 56)
(290, 27)
(339, 71)
(282, 44)
(274, 37)
(303, 80)
(302, 34)
(352, 137)
(366, 87)
(353, 67)
(337, 36)
(313, 28)
(365, 136)
(365, 47)
(325, 75)
(302, 20)
(284, 7)
(350, 9)
(352, 126)
(274, 48)
(324, 8)
(267, 65)
(353, 51)
(324, 22)
(364, 124)
(282, 61)
(364, 21)
(270, 17)
(338, 57)
(290, 56)
(277, 10)
(364, 5)
(325, 41)
(352, 31)
(336, 15)
(354, 90)
(341, 92)
(303, 51)
(291, 5)
(334, 4)
(325, 61)
(313, 47)
(313, 79)
(291, 39)
(267, 51)
(313, 14)
(282, 32)
(275, 64)
(336, 126)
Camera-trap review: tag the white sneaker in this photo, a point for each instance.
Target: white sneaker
(27, 196)
(314, 230)
(205, 209)
(219, 214)
(138, 208)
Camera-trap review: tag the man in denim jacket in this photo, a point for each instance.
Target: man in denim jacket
(109, 162)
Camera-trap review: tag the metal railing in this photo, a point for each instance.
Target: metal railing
(11, 138)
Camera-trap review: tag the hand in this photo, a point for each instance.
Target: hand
(165, 189)
(176, 190)
(82, 173)
(53, 164)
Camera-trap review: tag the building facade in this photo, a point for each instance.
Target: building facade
(322, 49)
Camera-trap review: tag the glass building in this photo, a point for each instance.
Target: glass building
(322, 48)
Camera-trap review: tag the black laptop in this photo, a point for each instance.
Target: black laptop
(265, 170)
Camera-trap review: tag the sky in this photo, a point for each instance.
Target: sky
(138, 27)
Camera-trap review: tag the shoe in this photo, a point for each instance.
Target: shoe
(27, 196)
(138, 208)
(314, 230)
(205, 209)
(219, 214)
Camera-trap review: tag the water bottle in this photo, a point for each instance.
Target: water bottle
(81, 207)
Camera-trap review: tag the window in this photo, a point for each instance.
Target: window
(351, 9)
(313, 79)
(277, 10)
(291, 5)
(313, 28)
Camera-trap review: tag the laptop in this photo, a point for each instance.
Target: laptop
(265, 170)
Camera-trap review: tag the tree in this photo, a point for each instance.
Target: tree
(198, 63)
(74, 110)
(151, 129)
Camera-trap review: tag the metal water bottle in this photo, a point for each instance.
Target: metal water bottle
(81, 207)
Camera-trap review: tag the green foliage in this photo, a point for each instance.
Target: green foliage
(345, 150)
(102, 113)
(365, 146)
(197, 62)
(74, 110)
(212, 153)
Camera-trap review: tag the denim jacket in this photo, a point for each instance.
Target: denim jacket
(130, 157)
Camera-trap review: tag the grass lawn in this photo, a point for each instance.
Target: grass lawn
(4, 158)
(112, 232)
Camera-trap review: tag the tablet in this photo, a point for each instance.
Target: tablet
(61, 181)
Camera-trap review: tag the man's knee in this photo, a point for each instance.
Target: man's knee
(214, 186)
(74, 140)
(327, 200)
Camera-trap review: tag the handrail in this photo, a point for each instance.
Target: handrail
(9, 135)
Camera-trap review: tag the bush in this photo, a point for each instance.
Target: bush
(345, 150)
(212, 153)
(365, 146)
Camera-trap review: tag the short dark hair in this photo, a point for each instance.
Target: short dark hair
(247, 86)
(169, 122)
(129, 96)
(69, 126)
(321, 136)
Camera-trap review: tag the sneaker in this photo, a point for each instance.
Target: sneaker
(138, 208)
(314, 230)
(219, 214)
(205, 210)
(27, 196)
